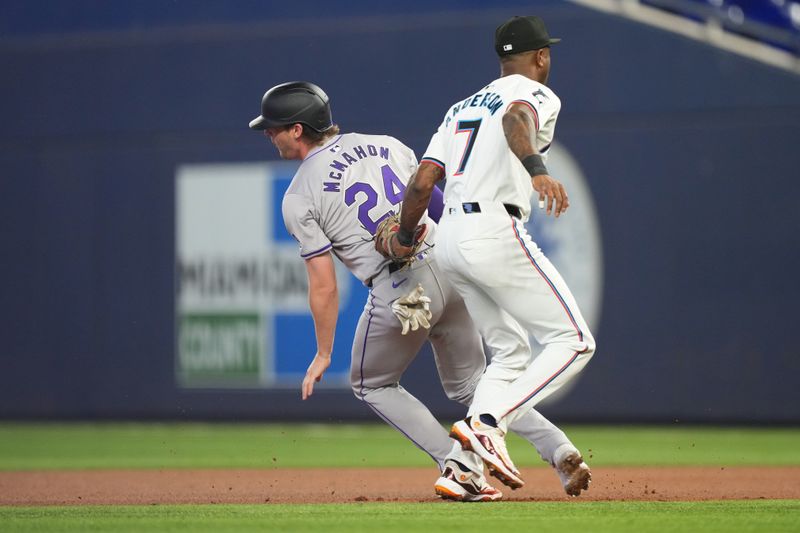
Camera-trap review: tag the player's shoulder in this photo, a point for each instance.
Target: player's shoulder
(528, 89)
(296, 202)
(372, 138)
(304, 182)
(387, 141)
(299, 190)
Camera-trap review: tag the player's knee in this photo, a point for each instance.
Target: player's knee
(363, 393)
(461, 395)
(464, 391)
(359, 391)
(588, 344)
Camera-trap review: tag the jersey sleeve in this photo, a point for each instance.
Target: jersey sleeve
(298, 217)
(436, 202)
(542, 103)
(436, 152)
(524, 94)
(411, 163)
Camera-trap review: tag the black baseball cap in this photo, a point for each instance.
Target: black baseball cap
(521, 34)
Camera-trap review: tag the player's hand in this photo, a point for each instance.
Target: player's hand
(388, 245)
(551, 191)
(398, 250)
(314, 373)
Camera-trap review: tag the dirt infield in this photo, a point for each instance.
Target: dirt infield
(314, 485)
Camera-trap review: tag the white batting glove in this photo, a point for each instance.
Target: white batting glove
(413, 310)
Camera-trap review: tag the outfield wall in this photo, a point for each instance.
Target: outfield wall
(686, 244)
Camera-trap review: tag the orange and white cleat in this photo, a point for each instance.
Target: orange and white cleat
(459, 484)
(489, 443)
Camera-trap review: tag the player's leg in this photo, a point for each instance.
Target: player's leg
(466, 246)
(460, 360)
(554, 447)
(380, 355)
(473, 249)
(457, 345)
(539, 299)
(507, 341)
(459, 356)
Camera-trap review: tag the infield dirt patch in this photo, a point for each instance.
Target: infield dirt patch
(316, 485)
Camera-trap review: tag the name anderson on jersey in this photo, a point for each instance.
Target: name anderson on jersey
(360, 152)
(491, 101)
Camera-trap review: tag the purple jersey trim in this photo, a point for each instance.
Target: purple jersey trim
(366, 334)
(436, 204)
(316, 252)
(312, 154)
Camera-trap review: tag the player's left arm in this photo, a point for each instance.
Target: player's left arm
(323, 298)
(520, 123)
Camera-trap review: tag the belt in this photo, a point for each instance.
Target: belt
(394, 267)
(475, 207)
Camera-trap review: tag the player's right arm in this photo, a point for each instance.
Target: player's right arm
(323, 298)
(520, 128)
(415, 202)
(299, 216)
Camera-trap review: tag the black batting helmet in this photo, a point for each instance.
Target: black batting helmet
(292, 103)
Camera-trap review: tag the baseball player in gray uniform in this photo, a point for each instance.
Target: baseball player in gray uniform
(346, 185)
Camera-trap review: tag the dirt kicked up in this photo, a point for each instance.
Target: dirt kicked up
(327, 485)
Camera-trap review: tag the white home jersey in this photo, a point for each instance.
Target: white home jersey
(471, 147)
(340, 194)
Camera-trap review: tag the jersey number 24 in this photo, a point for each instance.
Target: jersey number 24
(393, 187)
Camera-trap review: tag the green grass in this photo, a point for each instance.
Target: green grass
(595, 517)
(25, 446)
(148, 445)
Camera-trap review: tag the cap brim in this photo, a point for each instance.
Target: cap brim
(258, 123)
(553, 41)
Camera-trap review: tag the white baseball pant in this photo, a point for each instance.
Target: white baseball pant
(512, 290)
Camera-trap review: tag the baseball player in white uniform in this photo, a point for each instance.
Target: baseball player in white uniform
(491, 148)
(344, 187)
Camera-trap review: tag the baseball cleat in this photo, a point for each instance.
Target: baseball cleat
(462, 485)
(574, 473)
(490, 445)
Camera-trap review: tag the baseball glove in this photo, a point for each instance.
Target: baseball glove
(387, 244)
(413, 310)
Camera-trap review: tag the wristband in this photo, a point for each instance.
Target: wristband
(534, 165)
(405, 238)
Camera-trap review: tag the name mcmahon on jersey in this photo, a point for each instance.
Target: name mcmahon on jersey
(360, 152)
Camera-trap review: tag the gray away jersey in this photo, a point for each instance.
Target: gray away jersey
(340, 194)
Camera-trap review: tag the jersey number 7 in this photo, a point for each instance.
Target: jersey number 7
(471, 127)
